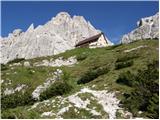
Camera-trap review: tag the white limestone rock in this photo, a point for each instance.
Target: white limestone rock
(148, 28)
(107, 99)
(125, 114)
(20, 87)
(9, 91)
(59, 34)
(26, 64)
(17, 32)
(39, 89)
(78, 102)
(47, 114)
(1, 81)
(57, 62)
(16, 64)
(95, 113)
(63, 110)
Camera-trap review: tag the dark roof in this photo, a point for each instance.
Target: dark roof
(91, 39)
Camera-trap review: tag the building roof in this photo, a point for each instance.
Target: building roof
(91, 39)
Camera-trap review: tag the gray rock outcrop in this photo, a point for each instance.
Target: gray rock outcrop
(9, 91)
(148, 28)
(36, 93)
(59, 34)
(57, 62)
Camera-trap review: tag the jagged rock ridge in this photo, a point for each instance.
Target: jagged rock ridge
(61, 33)
(148, 28)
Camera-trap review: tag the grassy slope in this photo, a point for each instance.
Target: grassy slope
(94, 58)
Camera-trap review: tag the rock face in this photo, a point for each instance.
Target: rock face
(61, 33)
(148, 28)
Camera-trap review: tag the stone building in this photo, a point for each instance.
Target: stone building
(95, 41)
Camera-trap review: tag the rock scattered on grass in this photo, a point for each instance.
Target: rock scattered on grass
(26, 64)
(47, 114)
(9, 91)
(36, 93)
(106, 99)
(57, 62)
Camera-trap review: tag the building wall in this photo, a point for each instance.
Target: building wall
(101, 42)
(84, 45)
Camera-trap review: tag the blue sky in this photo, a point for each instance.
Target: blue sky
(113, 18)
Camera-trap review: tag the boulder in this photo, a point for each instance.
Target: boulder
(26, 64)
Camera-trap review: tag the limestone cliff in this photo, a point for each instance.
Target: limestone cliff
(148, 28)
(59, 34)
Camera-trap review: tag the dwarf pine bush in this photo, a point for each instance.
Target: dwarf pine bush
(92, 74)
(145, 96)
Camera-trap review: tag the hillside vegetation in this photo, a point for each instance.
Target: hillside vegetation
(128, 70)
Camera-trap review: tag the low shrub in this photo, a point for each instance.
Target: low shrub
(125, 64)
(125, 61)
(92, 74)
(30, 71)
(81, 57)
(58, 88)
(145, 94)
(19, 113)
(7, 115)
(16, 99)
(3, 67)
(126, 79)
(126, 57)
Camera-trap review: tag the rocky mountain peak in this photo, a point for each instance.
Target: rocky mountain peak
(63, 15)
(17, 32)
(59, 34)
(31, 27)
(148, 28)
(61, 18)
(148, 20)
